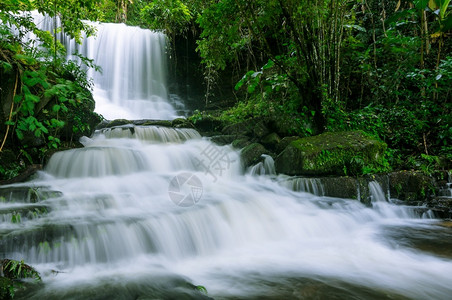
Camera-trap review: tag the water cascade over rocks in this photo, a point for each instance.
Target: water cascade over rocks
(150, 211)
(132, 81)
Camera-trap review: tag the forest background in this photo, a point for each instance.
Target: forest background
(381, 66)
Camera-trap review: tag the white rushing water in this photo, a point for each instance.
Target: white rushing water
(132, 82)
(101, 222)
(115, 210)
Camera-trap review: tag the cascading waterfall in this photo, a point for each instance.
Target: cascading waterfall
(381, 204)
(101, 222)
(303, 184)
(132, 83)
(265, 167)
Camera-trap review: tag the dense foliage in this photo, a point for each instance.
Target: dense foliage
(380, 66)
(45, 99)
(324, 65)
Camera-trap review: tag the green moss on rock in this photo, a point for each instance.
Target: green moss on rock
(411, 185)
(182, 123)
(332, 153)
(252, 154)
(241, 143)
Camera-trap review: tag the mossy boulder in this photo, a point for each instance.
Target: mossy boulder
(252, 154)
(224, 139)
(163, 123)
(182, 123)
(285, 142)
(208, 125)
(241, 143)
(271, 140)
(340, 187)
(331, 153)
(114, 123)
(411, 186)
(240, 128)
(251, 128)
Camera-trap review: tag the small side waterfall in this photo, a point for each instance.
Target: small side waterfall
(446, 191)
(303, 184)
(265, 167)
(376, 192)
(388, 209)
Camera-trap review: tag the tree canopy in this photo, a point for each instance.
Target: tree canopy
(380, 66)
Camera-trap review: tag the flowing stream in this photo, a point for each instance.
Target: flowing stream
(146, 212)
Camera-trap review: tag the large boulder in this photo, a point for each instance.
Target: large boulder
(225, 139)
(208, 125)
(252, 154)
(251, 127)
(271, 141)
(411, 185)
(331, 153)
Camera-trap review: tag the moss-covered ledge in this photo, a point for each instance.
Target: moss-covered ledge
(332, 153)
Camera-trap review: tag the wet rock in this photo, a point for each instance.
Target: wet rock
(117, 122)
(332, 153)
(252, 154)
(260, 130)
(209, 125)
(179, 123)
(241, 128)
(224, 139)
(410, 185)
(340, 187)
(251, 128)
(271, 140)
(164, 123)
(241, 143)
(182, 123)
(285, 142)
(24, 175)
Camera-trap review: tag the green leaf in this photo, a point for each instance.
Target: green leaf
(28, 60)
(6, 66)
(447, 24)
(32, 98)
(19, 134)
(268, 65)
(400, 15)
(56, 108)
(202, 289)
(17, 98)
(357, 27)
(421, 4)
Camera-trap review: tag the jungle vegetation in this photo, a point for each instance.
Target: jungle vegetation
(381, 66)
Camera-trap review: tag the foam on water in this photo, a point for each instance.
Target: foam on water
(108, 221)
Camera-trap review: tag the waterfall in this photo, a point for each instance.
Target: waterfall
(303, 184)
(265, 167)
(146, 212)
(132, 83)
(376, 192)
(387, 209)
